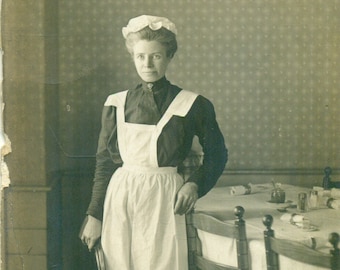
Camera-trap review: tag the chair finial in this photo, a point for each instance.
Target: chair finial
(268, 221)
(326, 181)
(334, 238)
(239, 211)
(327, 170)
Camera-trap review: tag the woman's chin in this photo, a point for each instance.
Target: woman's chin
(149, 78)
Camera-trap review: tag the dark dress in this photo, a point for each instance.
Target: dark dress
(146, 106)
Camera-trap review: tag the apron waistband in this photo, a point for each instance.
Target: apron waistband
(134, 168)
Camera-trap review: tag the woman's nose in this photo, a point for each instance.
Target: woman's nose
(148, 61)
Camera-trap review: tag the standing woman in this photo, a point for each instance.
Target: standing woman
(138, 198)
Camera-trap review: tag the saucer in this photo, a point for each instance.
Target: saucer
(283, 203)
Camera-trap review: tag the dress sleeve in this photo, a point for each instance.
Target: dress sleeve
(213, 146)
(107, 161)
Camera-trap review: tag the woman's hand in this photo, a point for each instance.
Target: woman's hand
(186, 198)
(91, 232)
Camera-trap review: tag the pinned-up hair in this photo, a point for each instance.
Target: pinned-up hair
(163, 36)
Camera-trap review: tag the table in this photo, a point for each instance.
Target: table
(220, 203)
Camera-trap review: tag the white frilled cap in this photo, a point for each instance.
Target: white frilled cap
(154, 22)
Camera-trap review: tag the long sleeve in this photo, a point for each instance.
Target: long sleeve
(107, 161)
(213, 146)
(174, 144)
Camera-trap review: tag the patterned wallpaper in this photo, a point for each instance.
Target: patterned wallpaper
(271, 68)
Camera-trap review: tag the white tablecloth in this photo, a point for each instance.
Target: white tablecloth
(220, 204)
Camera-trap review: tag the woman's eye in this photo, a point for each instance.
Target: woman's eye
(157, 56)
(140, 57)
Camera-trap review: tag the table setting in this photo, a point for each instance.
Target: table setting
(306, 215)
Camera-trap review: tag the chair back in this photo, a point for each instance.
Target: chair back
(207, 223)
(297, 251)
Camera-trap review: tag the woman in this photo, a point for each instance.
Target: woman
(146, 134)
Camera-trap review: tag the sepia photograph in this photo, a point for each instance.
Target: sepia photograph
(170, 135)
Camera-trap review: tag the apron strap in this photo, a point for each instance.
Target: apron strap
(116, 100)
(180, 106)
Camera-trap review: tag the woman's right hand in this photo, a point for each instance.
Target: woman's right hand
(91, 232)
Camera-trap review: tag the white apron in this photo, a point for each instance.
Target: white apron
(140, 230)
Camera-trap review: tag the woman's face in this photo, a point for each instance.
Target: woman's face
(150, 60)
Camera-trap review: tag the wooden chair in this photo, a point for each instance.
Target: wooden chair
(204, 222)
(297, 251)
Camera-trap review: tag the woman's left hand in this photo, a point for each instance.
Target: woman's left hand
(186, 198)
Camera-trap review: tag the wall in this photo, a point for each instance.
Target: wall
(29, 34)
(271, 68)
